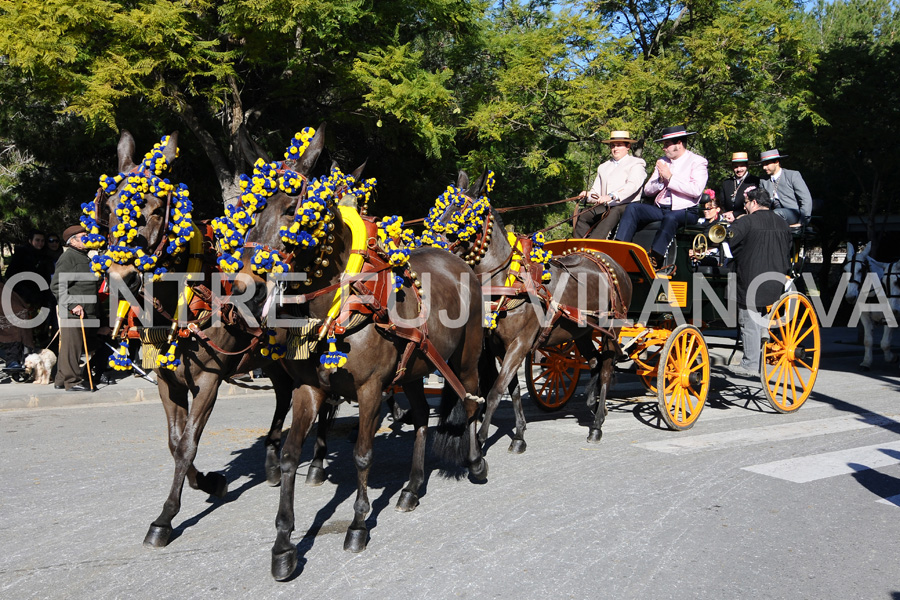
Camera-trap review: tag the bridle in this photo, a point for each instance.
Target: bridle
(889, 272)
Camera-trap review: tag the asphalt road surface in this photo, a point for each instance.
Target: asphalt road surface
(747, 504)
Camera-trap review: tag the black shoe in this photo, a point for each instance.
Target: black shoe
(80, 387)
(59, 386)
(102, 379)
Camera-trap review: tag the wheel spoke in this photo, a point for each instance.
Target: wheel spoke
(799, 378)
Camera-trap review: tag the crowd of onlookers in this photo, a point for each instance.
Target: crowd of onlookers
(37, 256)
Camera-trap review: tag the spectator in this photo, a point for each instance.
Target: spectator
(53, 250)
(732, 188)
(29, 258)
(761, 244)
(677, 182)
(74, 278)
(790, 196)
(618, 182)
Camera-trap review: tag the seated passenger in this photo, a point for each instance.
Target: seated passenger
(677, 182)
(791, 199)
(619, 181)
(719, 254)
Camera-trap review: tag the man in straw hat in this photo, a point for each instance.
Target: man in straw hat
(677, 182)
(618, 182)
(75, 287)
(732, 188)
(789, 193)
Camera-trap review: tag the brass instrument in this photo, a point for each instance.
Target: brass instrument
(714, 234)
(719, 232)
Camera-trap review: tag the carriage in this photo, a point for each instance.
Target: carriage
(665, 345)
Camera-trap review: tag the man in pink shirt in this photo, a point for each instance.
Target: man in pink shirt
(678, 180)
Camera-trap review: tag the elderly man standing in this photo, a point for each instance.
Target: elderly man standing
(790, 196)
(618, 182)
(732, 188)
(677, 182)
(75, 288)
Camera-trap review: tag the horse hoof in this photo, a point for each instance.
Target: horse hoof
(517, 446)
(284, 564)
(865, 368)
(219, 485)
(356, 540)
(594, 436)
(479, 470)
(315, 476)
(158, 536)
(408, 501)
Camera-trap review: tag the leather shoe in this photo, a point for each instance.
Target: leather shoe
(58, 386)
(80, 387)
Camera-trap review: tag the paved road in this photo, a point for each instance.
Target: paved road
(747, 504)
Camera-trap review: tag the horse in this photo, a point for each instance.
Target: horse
(859, 265)
(891, 283)
(207, 352)
(520, 329)
(386, 347)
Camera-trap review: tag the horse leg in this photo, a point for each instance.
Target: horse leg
(585, 346)
(307, 401)
(316, 474)
(886, 343)
(512, 360)
(283, 384)
(369, 398)
(185, 429)
(409, 497)
(608, 363)
(868, 326)
(467, 367)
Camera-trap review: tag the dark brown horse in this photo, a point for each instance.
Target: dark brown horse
(208, 356)
(378, 352)
(605, 290)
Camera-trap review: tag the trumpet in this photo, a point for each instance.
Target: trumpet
(719, 232)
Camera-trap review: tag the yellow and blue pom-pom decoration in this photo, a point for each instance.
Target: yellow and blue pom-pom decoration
(146, 181)
(169, 359)
(120, 360)
(464, 223)
(333, 359)
(539, 255)
(272, 348)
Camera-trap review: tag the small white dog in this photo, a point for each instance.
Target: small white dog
(40, 366)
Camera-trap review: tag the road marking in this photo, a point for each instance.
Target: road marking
(831, 464)
(770, 433)
(891, 500)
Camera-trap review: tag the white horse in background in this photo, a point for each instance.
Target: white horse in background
(859, 265)
(891, 283)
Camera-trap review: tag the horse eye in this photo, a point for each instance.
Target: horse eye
(289, 210)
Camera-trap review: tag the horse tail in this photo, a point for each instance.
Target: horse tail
(451, 437)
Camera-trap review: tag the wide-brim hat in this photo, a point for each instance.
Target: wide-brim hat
(773, 154)
(739, 157)
(673, 133)
(73, 230)
(620, 136)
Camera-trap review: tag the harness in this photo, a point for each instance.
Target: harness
(524, 279)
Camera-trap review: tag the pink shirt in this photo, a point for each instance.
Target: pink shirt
(689, 178)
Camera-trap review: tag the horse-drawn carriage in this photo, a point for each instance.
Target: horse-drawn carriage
(664, 340)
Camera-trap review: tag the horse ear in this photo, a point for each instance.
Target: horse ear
(480, 184)
(865, 251)
(125, 151)
(359, 171)
(306, 162)
(462, 180)
(171, 149)
(334, 165)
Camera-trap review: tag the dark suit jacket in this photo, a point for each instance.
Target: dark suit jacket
(731, 200)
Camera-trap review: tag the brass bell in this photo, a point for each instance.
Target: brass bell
(325, 262)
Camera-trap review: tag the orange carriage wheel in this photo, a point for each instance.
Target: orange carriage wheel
(790, 357)
(551, 374)
(683, 378)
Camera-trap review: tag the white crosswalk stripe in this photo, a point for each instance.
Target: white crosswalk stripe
(768, 434)
(831, 464)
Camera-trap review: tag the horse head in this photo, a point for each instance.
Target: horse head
(149, 218)
(891, 282)
(857, 265)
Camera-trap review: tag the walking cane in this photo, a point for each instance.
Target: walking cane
(87, 355)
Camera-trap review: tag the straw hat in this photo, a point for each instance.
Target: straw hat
(619, 136)
(739, 157)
